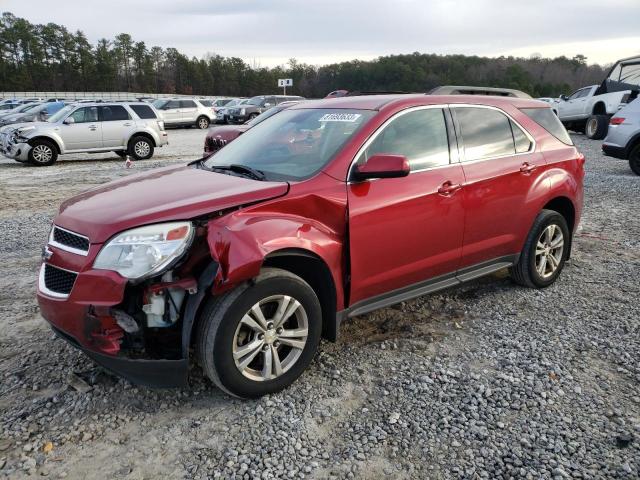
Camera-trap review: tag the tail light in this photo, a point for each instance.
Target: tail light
(616, 120)
(161, 125)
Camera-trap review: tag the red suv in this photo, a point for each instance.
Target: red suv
(252, 255)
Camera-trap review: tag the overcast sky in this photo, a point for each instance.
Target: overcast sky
(269, 32)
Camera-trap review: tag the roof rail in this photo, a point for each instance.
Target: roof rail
(472, 90)
(377, 92)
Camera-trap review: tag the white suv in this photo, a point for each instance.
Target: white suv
(185, 112)
(132, 128)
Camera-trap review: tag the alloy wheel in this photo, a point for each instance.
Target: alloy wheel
(42, 153)
(592, 126)
(203, 123)
(270, 338)
(549, 250)
(142, 149)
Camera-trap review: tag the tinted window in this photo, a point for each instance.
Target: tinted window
(485, 133)
(143, 111)
(84, 115)
(523, 144)
(187, 104)
(420, 135)
(549, 121)
(114, 113)
(171, 104)
(206, 103)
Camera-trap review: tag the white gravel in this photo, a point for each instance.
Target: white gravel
(488, 380)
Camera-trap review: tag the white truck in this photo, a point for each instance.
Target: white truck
(589, 109)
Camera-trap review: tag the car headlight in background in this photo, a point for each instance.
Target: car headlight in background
(243, 111)
(145, 251)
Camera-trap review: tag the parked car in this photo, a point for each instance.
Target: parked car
(589, 109)
(184, 112)
(256, 105)
(132, 128)
(623, 138)
(254, 254)
(218, 137)
(549, 100)
(36, 113)
(222, 113)
(19, 109)
(337, 94)
(9, 106)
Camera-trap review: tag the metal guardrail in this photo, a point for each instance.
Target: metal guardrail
(99, 95)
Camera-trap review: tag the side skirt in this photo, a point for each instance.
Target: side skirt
(426, 287)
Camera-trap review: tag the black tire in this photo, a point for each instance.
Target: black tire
(140, 148)
(252, 116)
(43, 153)
(221, 317)
(525, 272)
(202, 122)
(634, 159)
(597, 126)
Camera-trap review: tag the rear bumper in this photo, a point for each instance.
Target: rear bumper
(149, 373)
(614, 151)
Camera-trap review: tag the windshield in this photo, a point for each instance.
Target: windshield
(255, 101)
(293, 145)
(60, 114)
(25, 108)
(159, 103)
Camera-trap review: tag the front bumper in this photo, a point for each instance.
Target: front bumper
(149, 373)
(238, 118)
(17, 151)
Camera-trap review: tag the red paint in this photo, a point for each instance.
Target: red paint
(381, 234)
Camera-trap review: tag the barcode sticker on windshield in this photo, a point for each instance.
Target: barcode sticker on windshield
(339, 117)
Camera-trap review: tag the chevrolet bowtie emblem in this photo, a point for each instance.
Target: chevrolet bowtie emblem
(46, 254)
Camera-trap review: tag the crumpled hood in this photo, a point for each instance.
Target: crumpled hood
(164, 194)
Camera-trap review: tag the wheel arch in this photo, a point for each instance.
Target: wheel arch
(48, 139)
(315, 271)
(565, 207)
(599, 108)
(143, 134)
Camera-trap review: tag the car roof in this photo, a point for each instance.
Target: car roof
(376, 102)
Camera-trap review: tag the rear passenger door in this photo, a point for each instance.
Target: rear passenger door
(171, 112)
(403, 231)
(116, 125)
(189, 111)
(500, 168)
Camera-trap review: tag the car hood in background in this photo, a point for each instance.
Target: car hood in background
(164, 194)
(227, 132)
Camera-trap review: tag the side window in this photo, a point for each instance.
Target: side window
(206, 103)
(270, 100)
(523, 144)
(171, 105)
(85, 115)
(420, 135)
(143, 111)
(187, 104)
(114, 113)
(485, 133)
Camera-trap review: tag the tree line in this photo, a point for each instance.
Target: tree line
(51, 58)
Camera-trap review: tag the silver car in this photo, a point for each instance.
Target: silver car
(130, 128)
(623, 137)
(185, 112)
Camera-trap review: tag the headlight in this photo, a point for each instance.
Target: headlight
(25, 129)
(145, 251)
(243, 111)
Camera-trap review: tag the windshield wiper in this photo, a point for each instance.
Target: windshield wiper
(241, 169)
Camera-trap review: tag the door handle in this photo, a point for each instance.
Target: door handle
(448, 188)
(527, 167)
(126, 124)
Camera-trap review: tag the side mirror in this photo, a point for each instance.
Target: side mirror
(383, 165)
(69, 121)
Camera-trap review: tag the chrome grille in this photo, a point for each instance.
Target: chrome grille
(70, 241)
(57, 280)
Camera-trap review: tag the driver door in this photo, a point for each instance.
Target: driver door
(85, 132)
(405, 231)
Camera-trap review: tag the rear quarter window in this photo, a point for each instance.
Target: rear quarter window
(143, 111)
(549, 121)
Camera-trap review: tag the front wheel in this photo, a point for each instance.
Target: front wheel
(253, 115)
(43, 153)
(202, 123)
(597, 126)
(140, 148)
(634, 159)
(545, 251)
(259, 338)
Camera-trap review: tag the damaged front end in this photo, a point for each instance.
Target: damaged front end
(138, 328)
(14, 144)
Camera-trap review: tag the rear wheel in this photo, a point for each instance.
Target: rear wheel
(545, 251)
(202, 123)
(140, 148)
(258, 338)
(634, 159)
(597, 126)
(43, 153)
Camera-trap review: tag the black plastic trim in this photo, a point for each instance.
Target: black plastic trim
(193, 304)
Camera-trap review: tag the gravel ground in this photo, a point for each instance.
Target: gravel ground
(487, 380)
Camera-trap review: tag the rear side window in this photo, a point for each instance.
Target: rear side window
(420, 135)
(114, 113)
(485, 132)
(143, 111)
(523, 144)
(187, 104)
(549, 121)
(206, 103)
